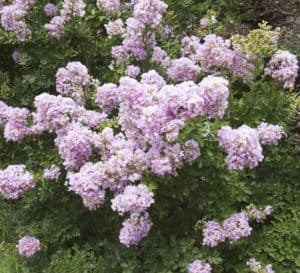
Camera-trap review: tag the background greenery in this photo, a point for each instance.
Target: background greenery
(78, 241)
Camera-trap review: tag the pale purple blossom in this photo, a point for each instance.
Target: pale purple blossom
(133, 199)
(28, 246)
(56, 26)
(215, 53)
(13, 20)
(183, 69)
(109, 6)
(270, 134)
(91, 118)
(215, 93)
(259, 215)
(53, 113)
(191, 151)
(283, 67)
(75, 145)
(158, 55)
(213, 234)
(150, 12)
(16, 127)
(153, 78)
(15, 181)
(134, 229)
(72, 80)
(257, 267)
(87, 184)
(120, 54)
(199, 267)
(133, 71)
(72, 8)
(237, 226)
(107, 97)
(114, 28)
(50, 10)
(242, 147)
(204, 22)
(191, 47)
(52, 173)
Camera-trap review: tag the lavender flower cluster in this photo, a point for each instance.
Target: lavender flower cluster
(139, 34)
(191, 151)
(109, 6)
(55, 113)
(133, 71)
(16, 126)
(183, 69)
(50, 10)
(206, 21)
(259, 215)
(257, 267)
(115, 28)
(199, 267)
(14, 121)
(75, 145)
(70, 9)
(70, 81)
(13, 18)
(87, 183)
(122, 164)
(158, 55)
(270, 134)
(107, 97)
(15, 181)
(134, 229)
(134, 199)
(243, 144)
(52, 173)
(283, 67)
(28, 246)
(215, 53)
(233, 228)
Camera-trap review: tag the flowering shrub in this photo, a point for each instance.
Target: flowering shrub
(148, 131)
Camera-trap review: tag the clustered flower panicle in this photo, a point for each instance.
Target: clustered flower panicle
(50, 10)
(15, 181)
(199, 267)
(13, 18)
(257, 267)
(52, 173)
(28, 246)
(243, 145)
(234, 228)
(70, 9)
(283, 67)
(71, 81)
(134, 229)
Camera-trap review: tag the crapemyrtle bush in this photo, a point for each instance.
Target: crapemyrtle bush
(147, 136)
